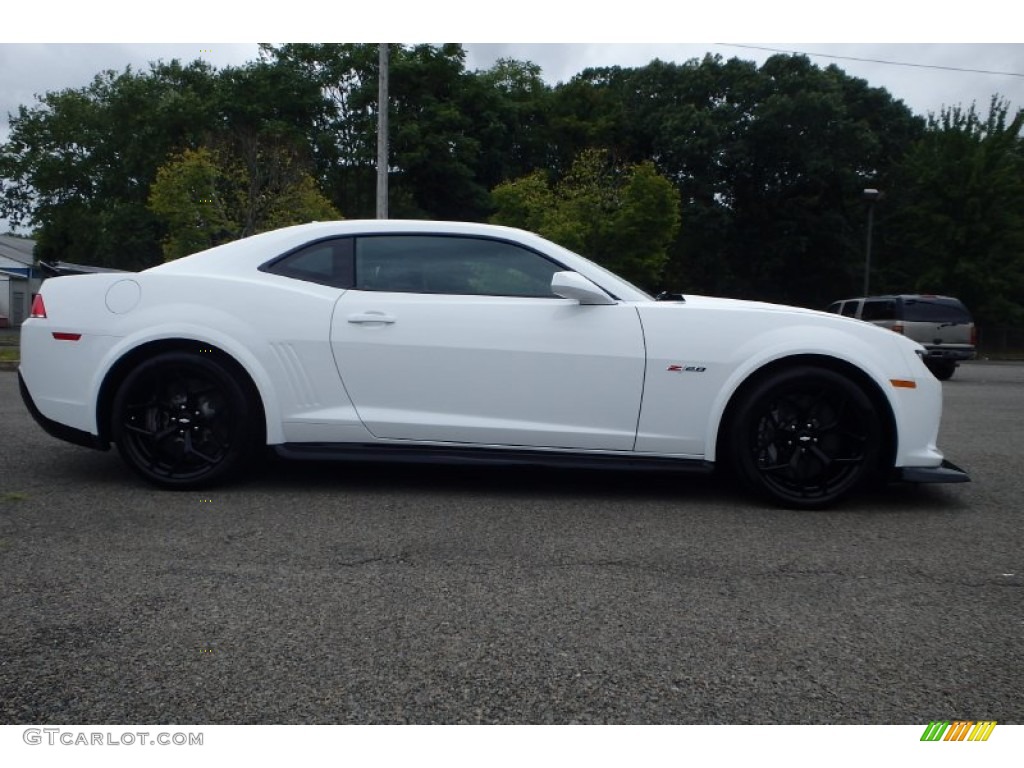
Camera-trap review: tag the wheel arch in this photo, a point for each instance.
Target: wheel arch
(117, 372)
(870, 387)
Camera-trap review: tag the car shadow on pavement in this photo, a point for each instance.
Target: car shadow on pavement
(276, 477)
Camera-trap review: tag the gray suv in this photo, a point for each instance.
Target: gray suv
(941, 324)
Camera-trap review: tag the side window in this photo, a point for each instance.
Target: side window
(451, 265)
(879, 309)
(834, 307)
(328, 262)
(850, 308)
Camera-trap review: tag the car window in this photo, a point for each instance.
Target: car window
(878, 309)
(328, 262)
(834, 307)
(451, 265)
(850, 308)
(935, 310)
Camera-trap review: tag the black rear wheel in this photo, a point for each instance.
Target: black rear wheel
(805, 437)
(182, 420)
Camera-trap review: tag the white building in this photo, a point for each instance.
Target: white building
(19, 279)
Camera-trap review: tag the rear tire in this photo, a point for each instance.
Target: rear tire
(805, 437)
(182, 420)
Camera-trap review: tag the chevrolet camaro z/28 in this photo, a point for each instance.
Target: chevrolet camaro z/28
(454, 342)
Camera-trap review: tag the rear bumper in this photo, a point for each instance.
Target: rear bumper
(947, 472)
(933, 354)
(55, 428)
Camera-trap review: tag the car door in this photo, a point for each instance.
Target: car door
(459, 340)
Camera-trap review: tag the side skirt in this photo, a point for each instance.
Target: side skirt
(443, 454)
(947, 472)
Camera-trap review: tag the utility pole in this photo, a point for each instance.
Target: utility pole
(870, 196)
(382, 134)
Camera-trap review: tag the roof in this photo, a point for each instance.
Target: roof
(19, 249)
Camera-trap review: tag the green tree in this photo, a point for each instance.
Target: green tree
(78, 166)
(191, 195)
(206, 198)
(511, 105)
(957, 225)
(769, 163)
(344, 134)
(454, 134)
(621, 216)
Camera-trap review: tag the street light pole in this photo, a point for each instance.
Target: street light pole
(871, 196)
(382, 134)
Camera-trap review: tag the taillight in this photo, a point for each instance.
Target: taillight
(898, 328)
(38, 308)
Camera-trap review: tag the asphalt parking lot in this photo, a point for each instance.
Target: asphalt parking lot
(380, 594)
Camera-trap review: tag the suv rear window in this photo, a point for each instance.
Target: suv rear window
(935, 311)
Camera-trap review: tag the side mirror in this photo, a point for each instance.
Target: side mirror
(573, 285)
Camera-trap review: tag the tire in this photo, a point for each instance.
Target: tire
(805, 437)
(182, 420)
(943, 371)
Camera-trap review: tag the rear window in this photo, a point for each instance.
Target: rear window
(935, 310)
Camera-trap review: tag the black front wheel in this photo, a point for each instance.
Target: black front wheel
(182, 420)
(805, 437)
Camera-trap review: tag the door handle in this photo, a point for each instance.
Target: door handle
(369, 318)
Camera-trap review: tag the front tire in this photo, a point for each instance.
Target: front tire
(182, 420)
(805, 437)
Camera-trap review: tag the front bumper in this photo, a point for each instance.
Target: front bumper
(55, 428)
(947, 472)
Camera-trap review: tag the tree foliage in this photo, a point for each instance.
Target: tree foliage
(765, 166)
(454, 134)
(769, 163)
(80, 164)
(622, 217)
(207, 198)
(958, 223)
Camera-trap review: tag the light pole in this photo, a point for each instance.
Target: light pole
(871, 197)
(382, 133)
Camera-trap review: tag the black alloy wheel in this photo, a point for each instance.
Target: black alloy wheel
(182, 420)
(806, 437)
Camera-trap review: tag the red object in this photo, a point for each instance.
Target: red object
(67, 336)
(38, 308)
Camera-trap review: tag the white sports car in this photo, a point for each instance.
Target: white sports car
(440, 341)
